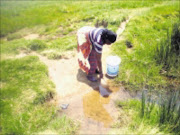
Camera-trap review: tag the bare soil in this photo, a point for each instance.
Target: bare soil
(31, 36)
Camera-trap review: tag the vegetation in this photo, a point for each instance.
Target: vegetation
(52, 54)
(36, 45)
(149, 52)
(167, 54)
(143, 65)
(16, 15)
(153, 112)
(26, 93)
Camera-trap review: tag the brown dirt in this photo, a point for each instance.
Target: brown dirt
(31, 36)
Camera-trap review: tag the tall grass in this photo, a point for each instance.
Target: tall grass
(158, 112)
(175, 38)
(170, 113)
(168, 52)
(166, 112)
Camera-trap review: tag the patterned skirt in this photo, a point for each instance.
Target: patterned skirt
(86, 54)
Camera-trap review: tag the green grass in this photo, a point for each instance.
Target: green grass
(18, 15)
(63, 44)
(59, 19)
(168, 54)
(12, 47)
(145, 32)
(131, 122)
(25, 94)
(52, 54)
(152, 115)
(26, 90)
(59, 45)
(62, 19)
(37, 45)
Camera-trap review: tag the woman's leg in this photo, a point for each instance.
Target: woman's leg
(93, 65)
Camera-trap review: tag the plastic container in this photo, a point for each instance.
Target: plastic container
(113, 63)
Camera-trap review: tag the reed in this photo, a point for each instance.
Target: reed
(168, 51)
(143, 104)
(167, 110)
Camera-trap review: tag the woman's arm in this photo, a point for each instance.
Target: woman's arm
(99, 64)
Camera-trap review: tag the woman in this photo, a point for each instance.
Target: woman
(90, 44)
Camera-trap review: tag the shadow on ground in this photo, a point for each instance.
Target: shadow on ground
(104, 90)
(81, 77)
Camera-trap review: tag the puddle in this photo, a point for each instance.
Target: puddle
(94, 101)
(93, 107)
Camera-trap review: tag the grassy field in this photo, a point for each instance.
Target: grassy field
(26, 90)
(17, 15)
(142, 66)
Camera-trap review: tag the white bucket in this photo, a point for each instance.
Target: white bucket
(113, 65)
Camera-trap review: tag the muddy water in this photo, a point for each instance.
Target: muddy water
(93, 104)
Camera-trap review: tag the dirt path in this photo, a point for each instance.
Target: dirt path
(86, 105)
(94, 112)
